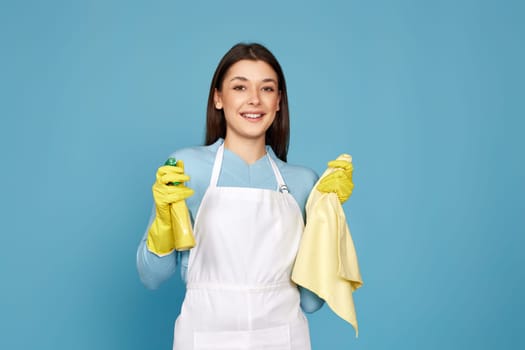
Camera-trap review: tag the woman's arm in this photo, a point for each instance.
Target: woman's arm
(153, 269)
(310, 302)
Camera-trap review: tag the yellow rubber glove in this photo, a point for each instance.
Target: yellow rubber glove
(161, 240)
(340, 181)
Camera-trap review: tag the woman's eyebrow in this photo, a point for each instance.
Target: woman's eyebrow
(238, 78)
(266, 80)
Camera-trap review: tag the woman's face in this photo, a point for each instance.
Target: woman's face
(250, 99)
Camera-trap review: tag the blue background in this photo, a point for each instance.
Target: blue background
(426, 95)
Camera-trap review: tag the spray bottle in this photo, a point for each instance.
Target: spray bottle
(180, 219)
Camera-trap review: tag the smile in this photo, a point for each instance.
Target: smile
(252, 115)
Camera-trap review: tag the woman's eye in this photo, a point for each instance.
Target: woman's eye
(268, 89)
(239, 87)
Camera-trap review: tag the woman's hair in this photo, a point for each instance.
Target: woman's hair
(278, 134)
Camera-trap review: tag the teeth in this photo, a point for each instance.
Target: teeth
(251, 115)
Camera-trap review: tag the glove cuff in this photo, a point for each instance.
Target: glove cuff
(160, 238)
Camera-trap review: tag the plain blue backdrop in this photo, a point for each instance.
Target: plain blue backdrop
(427, 96)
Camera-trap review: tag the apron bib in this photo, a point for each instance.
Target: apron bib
(239, 293)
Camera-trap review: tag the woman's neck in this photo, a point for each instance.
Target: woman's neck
(248, 150)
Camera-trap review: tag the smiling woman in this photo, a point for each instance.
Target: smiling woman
(249, 97)
(248, 209)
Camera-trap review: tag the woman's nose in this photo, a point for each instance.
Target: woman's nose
(254, 97)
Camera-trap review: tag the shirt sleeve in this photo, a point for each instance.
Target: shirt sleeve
(310, 302)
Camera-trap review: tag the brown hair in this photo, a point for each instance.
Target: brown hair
(278, 134)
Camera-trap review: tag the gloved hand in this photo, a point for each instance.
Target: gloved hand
(339, 181)
(160, 235)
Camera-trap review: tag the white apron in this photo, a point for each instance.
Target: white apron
(239, 293)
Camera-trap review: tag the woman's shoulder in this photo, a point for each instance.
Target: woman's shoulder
(299, 179)
(195, 153)
(299, 174)
(198, 163)
(197, 157)
(295, 173)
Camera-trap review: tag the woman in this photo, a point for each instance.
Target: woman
(248, 206)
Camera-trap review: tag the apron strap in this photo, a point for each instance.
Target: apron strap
(281, 185)
(217, 164)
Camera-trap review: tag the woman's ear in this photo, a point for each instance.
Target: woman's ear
(217, 100)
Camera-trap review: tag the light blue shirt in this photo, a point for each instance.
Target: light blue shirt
(235, 172)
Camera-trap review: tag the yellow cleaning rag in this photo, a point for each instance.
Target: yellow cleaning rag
(326, 262)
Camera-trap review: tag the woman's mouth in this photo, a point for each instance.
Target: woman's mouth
(252, 115)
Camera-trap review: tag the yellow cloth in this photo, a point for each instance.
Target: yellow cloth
(326, 261)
